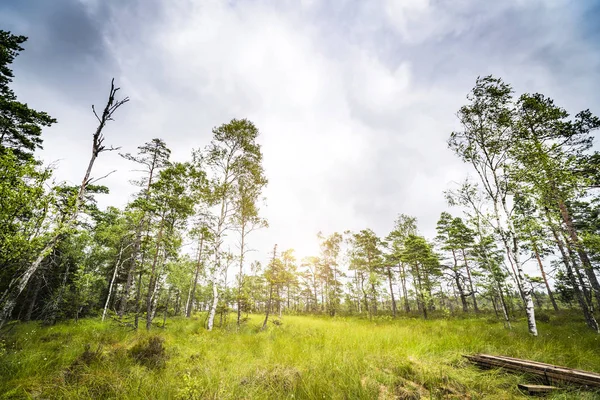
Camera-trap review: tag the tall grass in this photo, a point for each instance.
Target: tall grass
(304, 358)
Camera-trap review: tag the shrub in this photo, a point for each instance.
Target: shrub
(82, 362)
(149, 352)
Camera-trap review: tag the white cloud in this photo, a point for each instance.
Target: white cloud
(354, 101)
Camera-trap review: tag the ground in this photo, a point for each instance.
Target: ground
(303, 358)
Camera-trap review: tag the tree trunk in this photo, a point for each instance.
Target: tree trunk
(419, 289)
(130, 272)
(192, 295)
(512, 249)
(470, 282)
(166, 309)
(587, 265)
(17, 285)
(588, 316)
(112, 281)
(241, 276)
(504, 306)
(151, 282)
(55, 305)
(217, 266)
(36, 291)
(404, 291)
(268, 309)
(539, 260)
(461, 292)
(389, 273)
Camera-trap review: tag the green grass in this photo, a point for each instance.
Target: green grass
(304, 358)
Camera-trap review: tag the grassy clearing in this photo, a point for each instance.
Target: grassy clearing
(304, 358)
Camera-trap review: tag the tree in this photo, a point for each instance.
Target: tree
(485, 142)
(534, 237)
(403, 227)
(548, 147)
(248, 190)
(330, 251)
(448, 240)
(172, 202)
(275, 275)
(25, 207)
(18, 284)
(419, 255)
(232, 155)
(368, 258)
(153, 156)
(20, 126)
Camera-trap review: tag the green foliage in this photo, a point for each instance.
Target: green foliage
(20, 126)
(24, 204)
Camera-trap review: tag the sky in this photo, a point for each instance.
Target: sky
(354, 100)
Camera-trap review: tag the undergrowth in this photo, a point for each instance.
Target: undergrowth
(303, 358)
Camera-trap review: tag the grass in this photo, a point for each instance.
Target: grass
(304, 358)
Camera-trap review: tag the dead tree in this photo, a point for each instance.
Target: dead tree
(19, 282)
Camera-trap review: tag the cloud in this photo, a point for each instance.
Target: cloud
(354, 100)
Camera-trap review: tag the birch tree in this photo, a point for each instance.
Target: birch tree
(485, 142)
(232, 155)
(246, 220)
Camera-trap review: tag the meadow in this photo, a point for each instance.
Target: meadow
(304, 357)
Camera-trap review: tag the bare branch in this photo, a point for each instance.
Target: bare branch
(92, 181)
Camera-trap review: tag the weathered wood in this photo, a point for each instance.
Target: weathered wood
(537, 389)
(547, 368)
(550, 373)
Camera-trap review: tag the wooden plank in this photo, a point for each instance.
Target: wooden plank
(580, 373)
(546, 368)
(551, 373)
(535, 389)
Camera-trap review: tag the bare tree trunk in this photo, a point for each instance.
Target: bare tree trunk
(504, 306)
(512, 250)
(217, 266)
(55, 304)
(539, 260)
(419, 290)
(589, 317)
(389, 274)
(493, 299)
(461, 292)
(587, 265)
(268, 308)
(189, 307)
(112, 281)
(166, 308)
(241, 276)
(404, 291)
(36, 291)
(470, 282)
(374, 295)
(152, 281)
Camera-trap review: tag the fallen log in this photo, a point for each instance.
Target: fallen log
(548, 372)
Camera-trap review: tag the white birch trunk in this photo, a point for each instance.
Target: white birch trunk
(112, 281)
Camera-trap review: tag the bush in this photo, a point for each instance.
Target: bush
(149, 352)
(542, 317)
(86, 359)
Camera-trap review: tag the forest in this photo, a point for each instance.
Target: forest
(109, 303)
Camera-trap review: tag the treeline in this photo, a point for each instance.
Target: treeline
(533, 201)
